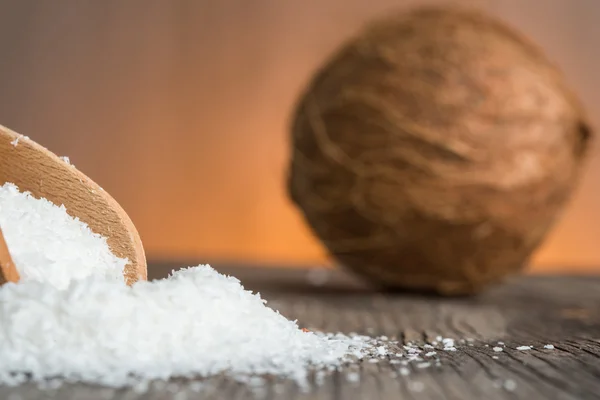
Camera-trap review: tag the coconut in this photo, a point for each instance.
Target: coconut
(435, 150)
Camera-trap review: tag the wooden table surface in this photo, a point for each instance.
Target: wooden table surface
(563, 311)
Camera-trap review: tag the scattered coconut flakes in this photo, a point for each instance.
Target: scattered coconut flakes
(16, 140)
(497, 349)
(67, 160)
(45, 329)
(234, 332)
(524, 348)
(353, 377)
(549, 346)
(72, 316)
(510, 385)
(196, 386)
(319, 378)
(49, 245)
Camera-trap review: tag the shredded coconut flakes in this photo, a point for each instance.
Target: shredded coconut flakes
(72, 318)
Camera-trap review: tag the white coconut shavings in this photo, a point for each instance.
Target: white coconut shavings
(72, 318)
(67, 160)
(48, 245)
(15, 141)
(449, 344)
(353, 377)
(197, 322)
(510, 385)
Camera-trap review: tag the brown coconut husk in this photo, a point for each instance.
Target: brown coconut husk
(435, 150)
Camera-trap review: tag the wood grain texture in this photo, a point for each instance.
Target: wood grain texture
(35, 169)
(562, 311)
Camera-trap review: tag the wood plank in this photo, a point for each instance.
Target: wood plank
(534, 310)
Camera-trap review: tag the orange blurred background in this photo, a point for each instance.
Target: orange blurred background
(180, 108)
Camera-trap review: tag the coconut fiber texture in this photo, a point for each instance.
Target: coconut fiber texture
(435, 150)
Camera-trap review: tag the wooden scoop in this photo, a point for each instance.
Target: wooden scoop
(35, 169)
(8, 272)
